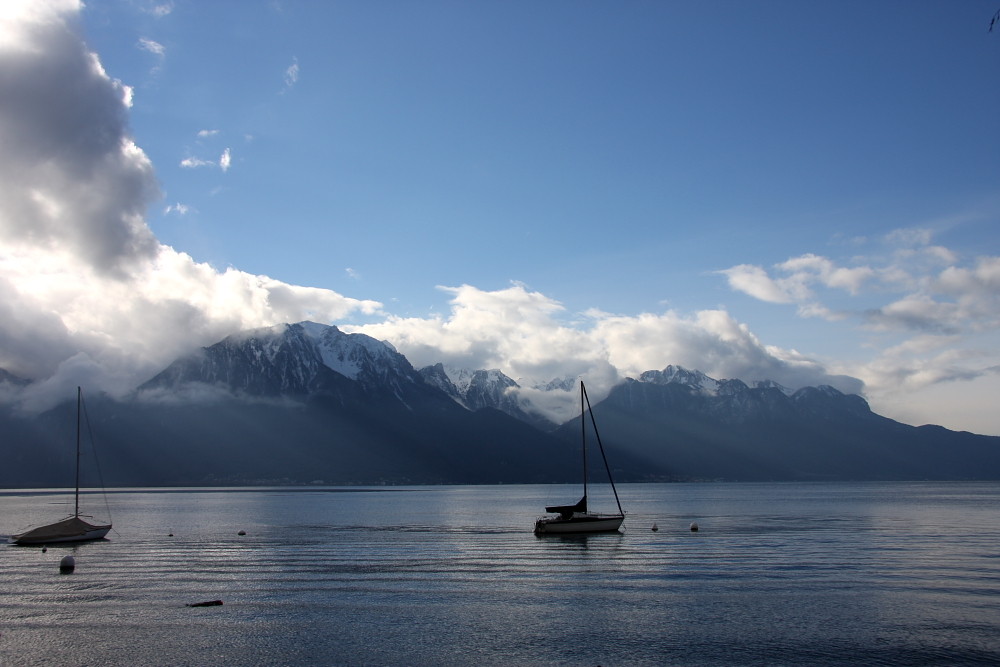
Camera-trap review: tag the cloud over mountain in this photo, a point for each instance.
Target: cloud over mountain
(934, 315)
(527, 335)
(88, 290)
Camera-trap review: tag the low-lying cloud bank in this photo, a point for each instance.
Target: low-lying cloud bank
(529, 337)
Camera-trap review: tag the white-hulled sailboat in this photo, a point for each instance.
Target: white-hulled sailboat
(74, 528)
(577, 518)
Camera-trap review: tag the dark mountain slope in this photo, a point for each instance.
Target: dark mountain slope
(745, 433)
(290, 404)
(308, 403)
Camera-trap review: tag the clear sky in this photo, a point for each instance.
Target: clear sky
(801, 191)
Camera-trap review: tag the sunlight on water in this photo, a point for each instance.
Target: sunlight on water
(785, 573)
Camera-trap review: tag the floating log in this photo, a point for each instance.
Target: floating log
(209, 603)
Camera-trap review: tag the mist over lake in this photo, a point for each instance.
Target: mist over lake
(814, 573)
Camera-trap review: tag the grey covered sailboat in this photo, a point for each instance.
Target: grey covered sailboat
(75, 528)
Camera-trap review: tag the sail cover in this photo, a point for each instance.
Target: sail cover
(567, 510)
(61, 531)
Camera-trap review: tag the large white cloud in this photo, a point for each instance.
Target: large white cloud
(529, 337)
(71, 180)
(86, 290)
(937, 322)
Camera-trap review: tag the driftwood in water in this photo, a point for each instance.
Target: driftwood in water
(210, 603)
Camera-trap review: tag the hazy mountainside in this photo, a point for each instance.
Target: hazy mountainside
(308, 403)
(687, 426)
(296, 403)
(480, 389)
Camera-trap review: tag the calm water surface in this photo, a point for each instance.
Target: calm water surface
(818, 574)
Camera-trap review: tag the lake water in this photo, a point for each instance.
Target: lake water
(817, 574)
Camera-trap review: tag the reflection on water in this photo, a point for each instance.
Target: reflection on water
(784, 573)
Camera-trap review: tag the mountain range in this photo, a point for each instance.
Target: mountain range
(307, 403)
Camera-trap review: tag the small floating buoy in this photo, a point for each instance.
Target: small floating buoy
(67, 564)
(694, 527)
(242, 532)
(655, 528)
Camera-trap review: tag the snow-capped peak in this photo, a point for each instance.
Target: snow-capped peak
(343, 352)
(460, 377)
(771, 384)
(697, 380)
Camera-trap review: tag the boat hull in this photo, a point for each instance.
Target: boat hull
(73, 529)
(578, 524)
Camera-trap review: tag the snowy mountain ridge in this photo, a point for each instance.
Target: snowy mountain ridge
(306, 358)
(294, 359)
(478, 389)
(348, 354)
(704, 385)
(280, 403)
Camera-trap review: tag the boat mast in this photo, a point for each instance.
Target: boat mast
(583, 440)
(593, 420)
(79, 398)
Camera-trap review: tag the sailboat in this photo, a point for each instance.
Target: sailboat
(577, 518)
(74, 528)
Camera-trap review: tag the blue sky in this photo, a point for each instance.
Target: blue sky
(610, 155)
(805, 191)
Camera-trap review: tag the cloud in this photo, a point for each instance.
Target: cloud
(292, 74)
(932, 289)
(955, 300)
(194, 163)
(156, 49)
(909, 237)
(797, 280)
(982, 280)
(937, 318)
(161, 10)
(71, 179)
(755, 281)
(918, 312)
(20, 18)
(153, 47)
(225, 160)
(528, 336)
(207, 133)
(810, 268)
(87, 293)
(921, 362)
(178, 208)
